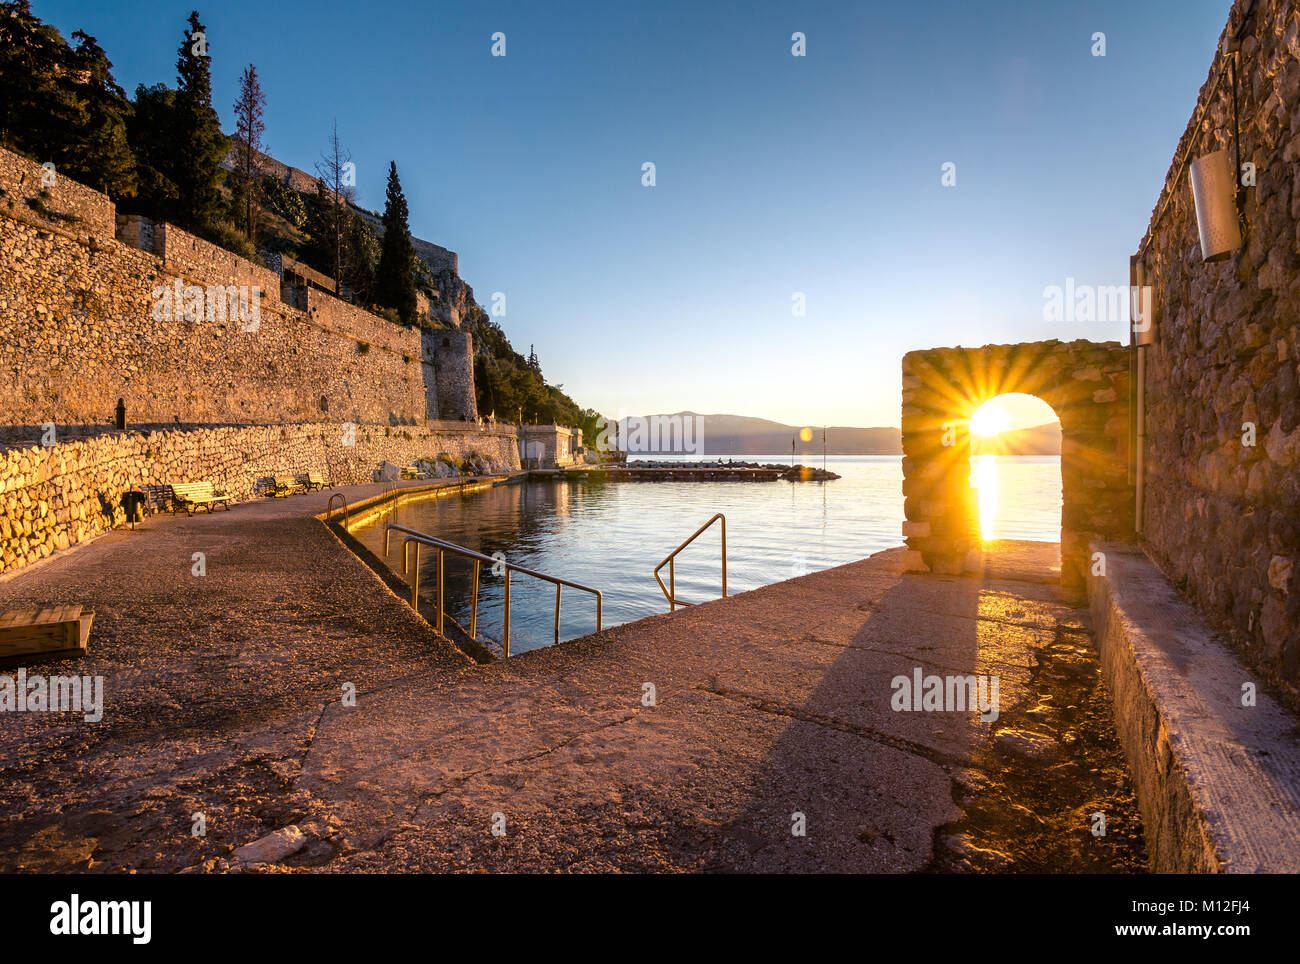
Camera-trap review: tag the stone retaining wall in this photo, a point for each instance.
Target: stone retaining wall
(28, 192)
(54, 496)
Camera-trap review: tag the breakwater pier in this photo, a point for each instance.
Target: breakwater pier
(689, 472)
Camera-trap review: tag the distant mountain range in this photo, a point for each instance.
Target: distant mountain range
(1036, 440)
(741, 435)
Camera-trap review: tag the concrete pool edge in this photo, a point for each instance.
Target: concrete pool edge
(417, 490)
(367, 510)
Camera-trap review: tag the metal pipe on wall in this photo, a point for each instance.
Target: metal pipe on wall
(1140, 338)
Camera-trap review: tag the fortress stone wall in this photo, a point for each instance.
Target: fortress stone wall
(454, 371)
(307, 382)
(1221, 515)
(79, 329)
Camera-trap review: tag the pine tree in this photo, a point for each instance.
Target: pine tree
(246, 187)
(395, 276)
(99, 154)
(150, 131)
(61, 104)
(200, 146)
(35, 106)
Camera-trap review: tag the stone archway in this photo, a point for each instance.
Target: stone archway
(1085, 383)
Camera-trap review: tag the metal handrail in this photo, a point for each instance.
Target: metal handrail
(670, 591)
(418, 538)
(391, 495)
(329, 507)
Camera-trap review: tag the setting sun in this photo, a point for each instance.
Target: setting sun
(989, 419)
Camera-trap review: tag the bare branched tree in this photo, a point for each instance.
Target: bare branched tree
(336, 172)
(249, 128)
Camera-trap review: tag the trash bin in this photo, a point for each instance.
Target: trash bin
(133, 504)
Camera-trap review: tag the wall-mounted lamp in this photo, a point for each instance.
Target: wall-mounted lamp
(1214, 188)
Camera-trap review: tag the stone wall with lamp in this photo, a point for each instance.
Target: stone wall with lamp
(1221, 498)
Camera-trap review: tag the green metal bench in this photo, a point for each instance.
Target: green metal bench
(158, 498)
(311, 480)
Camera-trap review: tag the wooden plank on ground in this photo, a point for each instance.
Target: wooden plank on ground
(51, 632)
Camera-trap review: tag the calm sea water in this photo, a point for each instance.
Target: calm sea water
(611, 535)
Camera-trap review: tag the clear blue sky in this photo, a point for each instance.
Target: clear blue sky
(775, 174)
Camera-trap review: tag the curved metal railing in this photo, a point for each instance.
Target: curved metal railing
(417, 538)
(329, 507)
(670, 591)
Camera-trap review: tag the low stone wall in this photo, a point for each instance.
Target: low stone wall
(55, 496)
(1216, 775)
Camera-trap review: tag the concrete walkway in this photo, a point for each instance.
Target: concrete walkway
(770, 713)
(212, 682)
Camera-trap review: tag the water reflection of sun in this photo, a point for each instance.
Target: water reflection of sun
(984, 477)
(989, 420)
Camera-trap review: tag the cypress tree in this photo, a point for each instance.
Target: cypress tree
(395, 276)
(200, 145)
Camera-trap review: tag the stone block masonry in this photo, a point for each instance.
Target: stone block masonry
(52, 497)
(79, 329)
(1221, 501)
(228, 401)
(29, 196)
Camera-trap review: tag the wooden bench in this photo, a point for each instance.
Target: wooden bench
(285, 485)
(311, 480)
(54, 632)
(194, 495)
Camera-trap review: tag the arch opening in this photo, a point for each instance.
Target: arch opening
(1085, 385)
(1016, 468)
